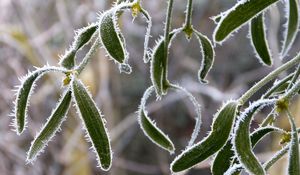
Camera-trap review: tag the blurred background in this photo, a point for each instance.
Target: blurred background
(34, 32)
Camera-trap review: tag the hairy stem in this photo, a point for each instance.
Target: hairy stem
(268, 78)
(197, 110)
(88, 56)
(188, 15)
(291, 92)
(295, 77)
(275, 87)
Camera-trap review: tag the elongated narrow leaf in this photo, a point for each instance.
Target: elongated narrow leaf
(111, 37)
(51, 127)
(154, 133)
(259, 40)
(294, 166)
(68, 59)
(237, 16)
(208, 56)
(23, 94)
(157, 69)
(83, 37)
(225, 156)
(94, 124)
(292, 25)
(150, 129)
(221, 128)
(223, 159)
(241, 139)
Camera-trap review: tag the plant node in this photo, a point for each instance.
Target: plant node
(282, 105)
(286, 138)
(136, 9)
(188, 30)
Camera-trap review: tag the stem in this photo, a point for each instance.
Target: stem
(88, 56)
(166, 44)
(292, 91)
(188, 27)
(268, 78)
(188, 15)
(197, 110)
(276, 86)
(268, 119)
(267, 165)
(296, 75)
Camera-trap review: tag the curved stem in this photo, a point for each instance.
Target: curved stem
(268, 78)
(197, 110)
(295, 77)
(276, 86)
(166, 44)
(268, 119)
(88, 56)
(291, 92)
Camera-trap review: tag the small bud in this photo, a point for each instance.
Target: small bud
(282, 105)
(188, 30)
(135, 9)
(66, 81)
(285, 138)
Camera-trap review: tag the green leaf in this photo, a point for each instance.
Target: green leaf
(94, 123)
(259, 40)
(292, 25)
(241, 139)
(112, 39)
(150, 129)
(294, 166)
(51, 127)
(225, 156)
(154, 133)
(23, 95)
(208, 56)
(239, 15)
(83, 36)
(221, 128)
(223, 159)
(157, 68)
(68, 59)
